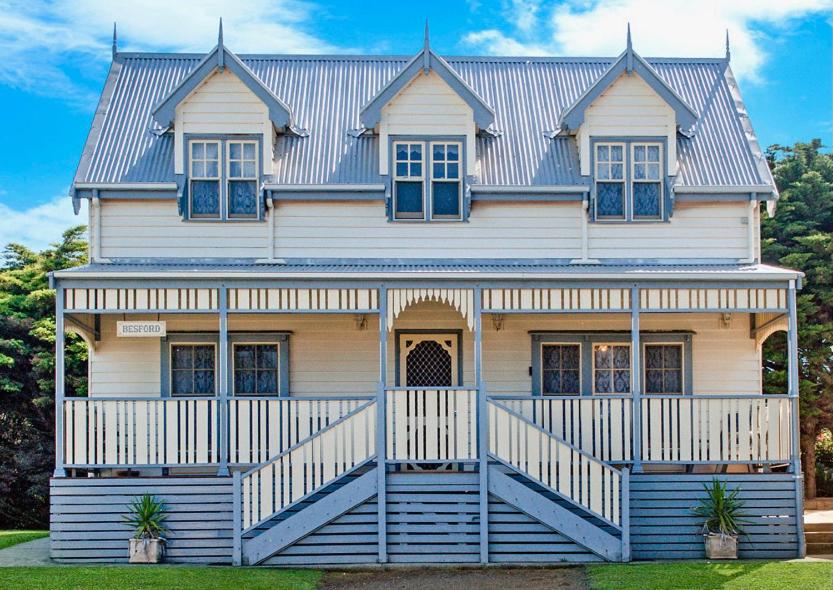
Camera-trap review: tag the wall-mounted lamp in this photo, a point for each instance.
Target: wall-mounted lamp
(361, 322)
(725, 320)
(497, 321)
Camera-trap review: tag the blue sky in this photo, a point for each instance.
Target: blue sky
(56, 56)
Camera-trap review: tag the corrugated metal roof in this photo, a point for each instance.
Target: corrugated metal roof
(383, 267)
(326, 94)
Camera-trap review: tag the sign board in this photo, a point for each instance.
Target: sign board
(141, 329)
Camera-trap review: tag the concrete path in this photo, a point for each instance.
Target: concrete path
(487, 578)
(32, 553)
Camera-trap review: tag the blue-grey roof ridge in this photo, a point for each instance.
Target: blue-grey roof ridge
(527, 94)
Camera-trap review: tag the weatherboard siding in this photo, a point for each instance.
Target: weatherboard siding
(695, 231)
(221, 105)
(329, 355)
(154, 229)
(426, 106)
(629, 108)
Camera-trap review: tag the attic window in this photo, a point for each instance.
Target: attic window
(628, 180)
(427, 181)
(223, 178)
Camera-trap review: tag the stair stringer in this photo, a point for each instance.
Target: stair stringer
(286, 532)
(551, 514)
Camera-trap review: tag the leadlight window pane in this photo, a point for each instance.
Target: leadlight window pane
(446, 199)
(242, 198)
(664, 368)
(409, 199)
(256, 369)
(560, 371)
(610, 199)
(611, 368)
(205, 198)
(192, 369)
(646, 199)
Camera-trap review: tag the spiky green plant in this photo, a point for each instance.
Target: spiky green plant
(721, 509)
(147, 516)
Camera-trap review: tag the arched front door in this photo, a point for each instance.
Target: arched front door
(429, 360)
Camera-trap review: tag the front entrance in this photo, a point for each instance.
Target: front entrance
(428, 359)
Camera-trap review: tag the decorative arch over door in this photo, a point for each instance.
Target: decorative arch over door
(460, 299)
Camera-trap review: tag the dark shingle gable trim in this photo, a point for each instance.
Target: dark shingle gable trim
(630, 61)
(426, 60)
(219, 58)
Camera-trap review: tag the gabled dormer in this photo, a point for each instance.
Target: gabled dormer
(626, 125)
(427, 118)
(224, 120)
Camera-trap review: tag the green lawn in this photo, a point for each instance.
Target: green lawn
(9, 538)
(159, 577)
(742, 575)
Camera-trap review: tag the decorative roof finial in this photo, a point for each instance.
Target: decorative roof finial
(220, 49)
(629, 52)
(426, 51)
(728, 52)
(115, 49)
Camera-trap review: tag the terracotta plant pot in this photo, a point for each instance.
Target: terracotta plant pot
(146, 550)
(721, 546)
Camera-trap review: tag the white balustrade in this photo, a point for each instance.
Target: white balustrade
(563, 468)
(260, 428)
(715, 429)
(431, 424)
(140, 432)
(308, 466)
(598, 425)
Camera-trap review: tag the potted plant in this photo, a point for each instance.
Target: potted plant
(147, 518)
(721, 510)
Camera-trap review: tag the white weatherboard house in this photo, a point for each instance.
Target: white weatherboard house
(362, 309)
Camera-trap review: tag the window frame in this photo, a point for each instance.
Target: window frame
(633, 180)
(279, 339)
(580, 346)
(409, 216)
(184, 181)
(192, 178)
(176, 342)
(229, 179)
(683, 361)
(623, 181)
(233, 368)
(629, 142)
(612, 369)
(427, 178)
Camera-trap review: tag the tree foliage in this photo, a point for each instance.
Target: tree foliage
(27, 371)
(800, 236)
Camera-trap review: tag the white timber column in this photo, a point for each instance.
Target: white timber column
(793, 387)
(636, 373)
(381, 423)
(60, 385)
(222, 376)
(482, 427)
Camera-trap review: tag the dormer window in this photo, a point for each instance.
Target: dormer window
(628, 180)
(427, 181)
(223, 179)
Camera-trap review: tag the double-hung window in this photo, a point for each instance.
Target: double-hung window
(256, 369)
(193, 369)
(427, 179)
(628, 180)
(223, 179)
(204, 179)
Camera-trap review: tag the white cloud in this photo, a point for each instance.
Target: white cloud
(660, 28)
(41, 225)
(41, 39)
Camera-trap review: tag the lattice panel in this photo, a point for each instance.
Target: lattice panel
(429, 364)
